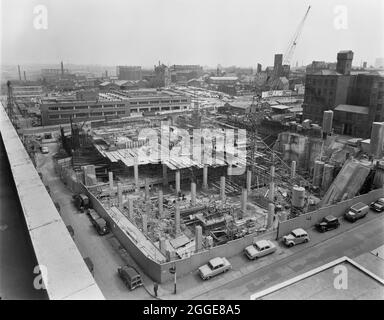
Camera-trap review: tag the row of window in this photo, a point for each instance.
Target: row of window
(322, 82)
(158, 109)
(87, 107)
(86, 115)
(157, 102)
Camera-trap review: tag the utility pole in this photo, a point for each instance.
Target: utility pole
(172, 270)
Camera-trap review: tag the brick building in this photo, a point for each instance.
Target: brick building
(356, 98)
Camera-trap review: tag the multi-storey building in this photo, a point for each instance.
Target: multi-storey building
(357, 99)
(114, 104)
(129, 72)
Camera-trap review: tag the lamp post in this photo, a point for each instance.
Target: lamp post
(172, 270)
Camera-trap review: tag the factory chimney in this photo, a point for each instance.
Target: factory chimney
(25, 76)
(62, 68)
(18, 67)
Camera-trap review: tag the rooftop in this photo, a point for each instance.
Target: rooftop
(319, 283)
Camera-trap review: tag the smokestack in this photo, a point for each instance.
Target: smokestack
(25, 76)
(18, 67)
(62, 68)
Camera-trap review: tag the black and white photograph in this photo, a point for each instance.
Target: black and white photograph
(187, 156)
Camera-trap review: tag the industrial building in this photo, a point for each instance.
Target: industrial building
(349, 94)
(129, 72)
(113, 104)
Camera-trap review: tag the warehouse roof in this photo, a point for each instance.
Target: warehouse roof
(352, 109)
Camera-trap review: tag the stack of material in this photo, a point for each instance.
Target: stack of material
(347, 183)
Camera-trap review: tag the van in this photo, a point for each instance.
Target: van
(356, 212)
(130, 277)
(81, 201)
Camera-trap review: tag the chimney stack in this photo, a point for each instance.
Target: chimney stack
(18, 68)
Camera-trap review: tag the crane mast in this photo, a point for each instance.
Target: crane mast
(288, 55)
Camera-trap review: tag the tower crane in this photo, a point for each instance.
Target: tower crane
(292, 44)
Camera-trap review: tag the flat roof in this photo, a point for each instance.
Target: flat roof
(318, 284)
(352, 108)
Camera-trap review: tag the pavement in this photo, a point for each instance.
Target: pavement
(100, 249)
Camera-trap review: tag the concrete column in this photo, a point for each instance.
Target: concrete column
(222, 188)
(165, 175)
(144, 218)
(177, 218)
(177, 178)
(205, 177)
(198, 238)
(161, 203)
(272, 172)
(229, 172)
(244, 199)
(193, 193)
(162, 246)
(136, 175)
(249, 180)
(120, 195)
(271, 214)
(293, 169)
(272, 191)
(146, 190)
(130, 208)
(110, 176)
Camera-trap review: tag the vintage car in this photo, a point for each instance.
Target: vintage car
(328, 223)
(214, 267)
(378, 205)
(259, 249)
(295, 237)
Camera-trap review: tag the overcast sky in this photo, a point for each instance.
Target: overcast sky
(206, 32)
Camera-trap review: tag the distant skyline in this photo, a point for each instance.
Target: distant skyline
(205, 32)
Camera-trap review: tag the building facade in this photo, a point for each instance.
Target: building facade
(360, 97)
(129, 72)
(116, 104)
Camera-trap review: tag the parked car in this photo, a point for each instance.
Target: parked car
(130, 277)
(378, 205)
(81, 201)
(356, 212)
(44, 150)
(99, 223)
(260, 249)
(214, 267)
(328, 223)
(295, 237)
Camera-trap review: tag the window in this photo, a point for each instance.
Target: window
(67, 108)
(143, 109)
(81, 115)
(54, 116)
(143, 102)
(96, 114)
(120, 112)
(65, 116)
(53, 108)
(108, 106)
(133, 110)
(81, 107)
(109, 113)
(155, 109)
(133, 103)
(95, 107)
(165, 108)
(176, 108)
